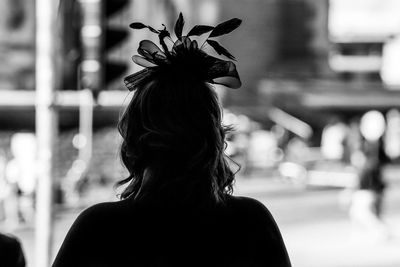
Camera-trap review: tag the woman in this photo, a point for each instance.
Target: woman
(177, 209)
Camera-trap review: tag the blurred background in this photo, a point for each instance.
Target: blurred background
(317, 119)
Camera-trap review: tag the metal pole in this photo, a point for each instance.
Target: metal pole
(46, 126)
(86, 124)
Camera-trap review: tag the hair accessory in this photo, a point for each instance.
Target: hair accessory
(185, 57)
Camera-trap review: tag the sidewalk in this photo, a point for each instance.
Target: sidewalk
(338, 244)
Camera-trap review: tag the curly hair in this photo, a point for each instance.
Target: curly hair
(173, 126)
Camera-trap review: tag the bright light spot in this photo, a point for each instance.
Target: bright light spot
(79, 166)
(230, 119)
(372, 125)
(91, 31)
(208, 12)
(391, 63)
(79, 141)
(90, 66)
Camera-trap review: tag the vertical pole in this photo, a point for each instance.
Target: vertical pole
(46, 126)
(86, 126)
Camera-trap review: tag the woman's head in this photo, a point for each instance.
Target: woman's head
(173, 127)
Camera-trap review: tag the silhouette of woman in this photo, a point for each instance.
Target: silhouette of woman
(177, 209)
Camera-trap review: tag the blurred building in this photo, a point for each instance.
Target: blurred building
(338, 59)
(17, 38)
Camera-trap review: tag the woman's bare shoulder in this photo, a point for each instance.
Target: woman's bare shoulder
(248, 205)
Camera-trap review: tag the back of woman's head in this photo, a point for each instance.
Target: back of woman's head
(173, 127)
(173, 137)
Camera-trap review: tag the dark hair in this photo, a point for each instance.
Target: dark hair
(173, 126)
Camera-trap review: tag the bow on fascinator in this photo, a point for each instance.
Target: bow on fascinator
(185, 56)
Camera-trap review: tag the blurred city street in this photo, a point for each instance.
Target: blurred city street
(314, 225)
(314, 125)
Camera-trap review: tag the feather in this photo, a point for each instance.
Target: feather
(179, 26)
(220, 49)
(199, 30)
(137, 25)
(225, 27)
